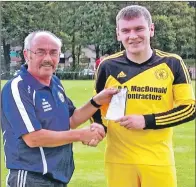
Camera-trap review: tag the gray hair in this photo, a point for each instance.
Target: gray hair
(30, 37)
(134, 11)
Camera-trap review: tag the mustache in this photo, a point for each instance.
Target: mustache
(47, 63)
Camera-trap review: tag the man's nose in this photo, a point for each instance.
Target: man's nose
(47, 56)
(133, 35)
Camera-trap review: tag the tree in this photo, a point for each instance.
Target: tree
(165, 35)
(8, 25)
(80, 24)
(18, 20)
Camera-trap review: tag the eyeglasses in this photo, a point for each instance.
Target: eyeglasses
(42, 53)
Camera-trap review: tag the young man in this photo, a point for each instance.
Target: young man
(37, 116)
(159, 96)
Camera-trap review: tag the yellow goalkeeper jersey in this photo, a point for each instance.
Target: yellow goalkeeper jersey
(161, 90)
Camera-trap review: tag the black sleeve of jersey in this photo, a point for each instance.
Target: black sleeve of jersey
(181, 114)
(97, 118)
(181, 74)
(100, 78)
(166, 119)
(99, 86)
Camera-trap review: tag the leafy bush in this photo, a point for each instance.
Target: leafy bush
(189, 62)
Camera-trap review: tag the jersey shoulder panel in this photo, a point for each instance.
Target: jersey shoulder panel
(168, 55)
(56, 79)
(113, 57)
(177, 66)
(16, 81)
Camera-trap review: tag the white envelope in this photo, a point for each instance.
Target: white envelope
(116, 107)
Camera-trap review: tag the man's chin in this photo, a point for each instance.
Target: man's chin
(47, 67)
(46, 73)
(134, 51)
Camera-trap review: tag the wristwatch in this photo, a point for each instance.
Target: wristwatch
(94, 103)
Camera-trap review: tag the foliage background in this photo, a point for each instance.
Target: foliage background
(79, 24)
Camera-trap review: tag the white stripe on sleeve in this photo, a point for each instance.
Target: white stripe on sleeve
(19, 104)
(34, 98)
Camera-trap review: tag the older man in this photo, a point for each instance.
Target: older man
(37, 116)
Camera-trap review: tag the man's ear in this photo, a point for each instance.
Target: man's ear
(25, 53)
(117, 34)
(152, 30)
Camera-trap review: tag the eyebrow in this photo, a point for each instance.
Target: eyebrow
(41, 49)
(136, 27)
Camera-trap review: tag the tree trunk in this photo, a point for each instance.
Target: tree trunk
(97, 50)
(21, 55)
(78, 54)
(6, 52)
(73, 51)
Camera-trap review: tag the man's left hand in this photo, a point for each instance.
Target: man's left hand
(132, 121)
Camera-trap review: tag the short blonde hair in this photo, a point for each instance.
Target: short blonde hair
(134, 11)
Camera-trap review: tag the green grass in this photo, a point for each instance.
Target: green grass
(89, 161)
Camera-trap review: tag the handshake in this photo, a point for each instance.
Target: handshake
(92, 135)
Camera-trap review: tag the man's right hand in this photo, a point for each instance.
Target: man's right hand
(88, 135)
(98, 127)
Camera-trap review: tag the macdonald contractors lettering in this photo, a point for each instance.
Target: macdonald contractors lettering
(148, 89)
(141, 92)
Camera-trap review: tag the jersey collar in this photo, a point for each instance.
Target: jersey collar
(30, 79)
(148, 62)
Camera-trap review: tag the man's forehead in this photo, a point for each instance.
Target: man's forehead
(43, 36)
(135, 20)
(44, 39)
